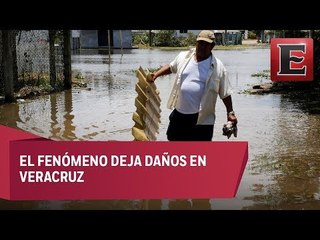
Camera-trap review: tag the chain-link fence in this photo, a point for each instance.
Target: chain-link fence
(39, 58)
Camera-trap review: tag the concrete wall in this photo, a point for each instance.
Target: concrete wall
(75, 33)
(126, 38)
(89, 39)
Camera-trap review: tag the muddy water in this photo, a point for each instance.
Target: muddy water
(283, 169)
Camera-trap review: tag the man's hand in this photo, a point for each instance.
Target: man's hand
(232, 117)
(151, 77)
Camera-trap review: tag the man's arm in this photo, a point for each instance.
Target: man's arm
(230, 113)
(162, 71)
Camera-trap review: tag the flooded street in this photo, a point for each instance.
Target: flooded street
(283, 169)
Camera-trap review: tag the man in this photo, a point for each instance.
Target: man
(200, 78)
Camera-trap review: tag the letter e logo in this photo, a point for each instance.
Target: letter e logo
(291, 59)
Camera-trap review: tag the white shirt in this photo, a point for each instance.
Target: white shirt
(193, 81)
(217, 83)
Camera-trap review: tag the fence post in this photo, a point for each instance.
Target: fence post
(67, 59)
(14, 56)
(7, 60)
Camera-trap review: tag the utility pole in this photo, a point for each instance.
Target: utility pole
(109, 47)
(150, 38)
(225, 37)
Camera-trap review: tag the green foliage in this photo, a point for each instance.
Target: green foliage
(163, 38)
(166, 38)
(58, 36)
(294, 34)
(263, 74)
(140, 38)
(190, 40)
(252, 35)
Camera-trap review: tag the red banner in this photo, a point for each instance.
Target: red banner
(34, 168)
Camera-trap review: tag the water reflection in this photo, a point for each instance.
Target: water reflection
(69, 128)
(55, 129)
(189, 204)
(293, 161)
(59, 130)
(9, 115)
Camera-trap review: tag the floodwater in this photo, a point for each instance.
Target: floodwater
(283, 169)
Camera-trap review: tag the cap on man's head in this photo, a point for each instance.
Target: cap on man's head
(206, 35)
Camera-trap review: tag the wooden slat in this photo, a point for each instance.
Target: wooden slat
(138, 121)
(139, 134)
(147, 115)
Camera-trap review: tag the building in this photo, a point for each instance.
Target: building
(95, 39)
(228, 37)
(223, 37)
